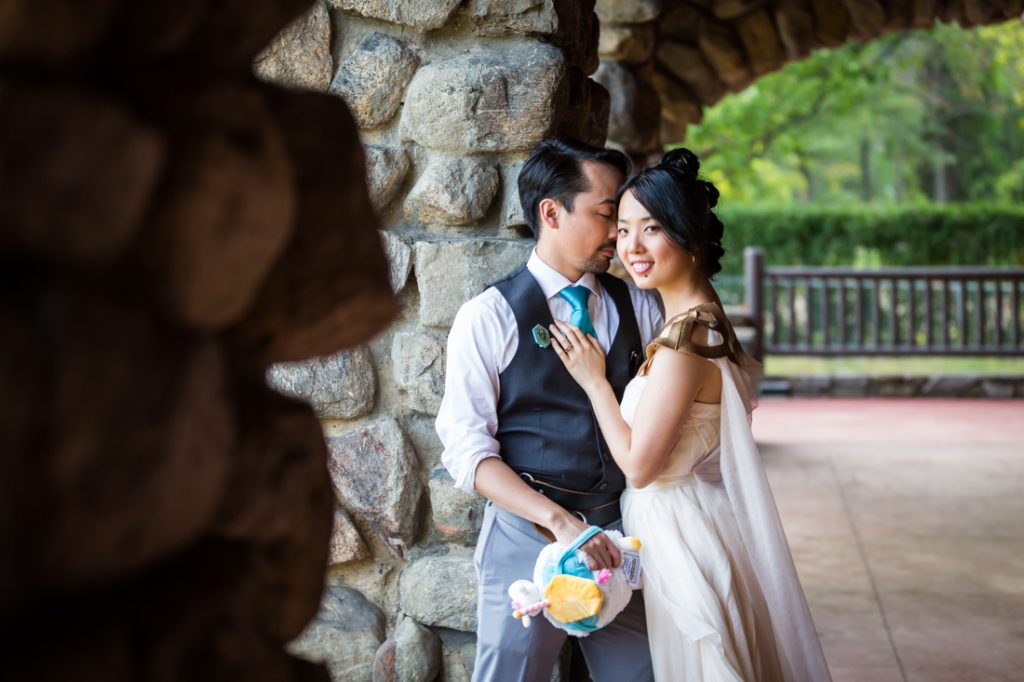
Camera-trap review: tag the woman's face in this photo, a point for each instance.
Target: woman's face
(651, 258)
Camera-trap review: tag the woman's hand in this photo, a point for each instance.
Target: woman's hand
(580, 353)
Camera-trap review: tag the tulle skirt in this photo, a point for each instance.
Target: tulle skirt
(706, 617)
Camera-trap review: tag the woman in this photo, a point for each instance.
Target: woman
(722, 595)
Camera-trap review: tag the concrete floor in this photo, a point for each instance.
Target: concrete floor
(906, 519)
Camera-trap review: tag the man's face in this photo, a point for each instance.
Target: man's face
(586, 236)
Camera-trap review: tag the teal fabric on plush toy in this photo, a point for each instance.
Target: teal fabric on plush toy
(570, 564)
(571, 596)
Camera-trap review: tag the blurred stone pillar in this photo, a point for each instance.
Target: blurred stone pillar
(171, 226)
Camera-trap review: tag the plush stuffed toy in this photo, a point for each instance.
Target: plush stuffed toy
(570, 595)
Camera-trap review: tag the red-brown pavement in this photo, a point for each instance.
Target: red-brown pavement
(906, 520)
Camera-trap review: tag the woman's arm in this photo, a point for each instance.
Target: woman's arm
(672, 385)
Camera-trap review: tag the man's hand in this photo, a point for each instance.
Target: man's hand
(601, 550)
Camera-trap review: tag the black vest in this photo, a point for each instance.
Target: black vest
(546, 426)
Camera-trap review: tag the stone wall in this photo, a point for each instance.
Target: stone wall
(169, 227)
(450, 98)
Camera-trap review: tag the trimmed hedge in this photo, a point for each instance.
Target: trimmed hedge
(954, 234)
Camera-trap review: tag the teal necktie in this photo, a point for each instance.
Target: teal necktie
(580, 316)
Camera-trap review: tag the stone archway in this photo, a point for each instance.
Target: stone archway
(693, 52)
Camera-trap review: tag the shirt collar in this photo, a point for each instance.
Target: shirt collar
(551, 281)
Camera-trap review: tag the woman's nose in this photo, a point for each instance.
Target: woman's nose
(632, 242)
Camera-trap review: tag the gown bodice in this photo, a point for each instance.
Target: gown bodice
(701, 432)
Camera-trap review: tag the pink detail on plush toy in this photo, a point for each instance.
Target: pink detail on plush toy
(603, 576)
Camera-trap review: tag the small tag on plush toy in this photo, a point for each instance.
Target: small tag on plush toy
(631, 567)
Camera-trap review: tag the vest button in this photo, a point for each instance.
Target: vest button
(604, 486)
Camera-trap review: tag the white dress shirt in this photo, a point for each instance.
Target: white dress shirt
(482, 342)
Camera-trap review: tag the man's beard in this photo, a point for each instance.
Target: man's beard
(597, 263)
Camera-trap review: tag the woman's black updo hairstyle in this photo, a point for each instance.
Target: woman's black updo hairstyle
(682, 203)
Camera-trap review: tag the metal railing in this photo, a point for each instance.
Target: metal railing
(889, 311)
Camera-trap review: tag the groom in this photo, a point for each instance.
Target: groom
(517, 429)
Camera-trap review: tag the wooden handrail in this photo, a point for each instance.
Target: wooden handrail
(807, 310)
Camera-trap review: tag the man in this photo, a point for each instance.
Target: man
(516, 427)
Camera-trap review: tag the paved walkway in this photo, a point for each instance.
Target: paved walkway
(906, 518)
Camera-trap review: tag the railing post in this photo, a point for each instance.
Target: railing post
(753, 273)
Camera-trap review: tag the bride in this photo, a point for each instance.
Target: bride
(722, 595)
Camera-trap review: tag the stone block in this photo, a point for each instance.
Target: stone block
(441, 590)
(227, 206)
(459, 651)
(386, 168)
(513, 17)
(811, 386)
(345, 635)
(329, 289)
(372, 78)
(896, 387)
(730, 9)
(78, 173)
(339, 386)
(627, 11)
(457, 514)
(634, 108)
(831, 22)
(300, 56)
(424, 15)
(761, 41)
(399, 255)
(724, 52)
(627, 44)
(412, 654)
(376, 475)
(849, 387)
(449, 273)
(686, 63)
(136, 417)
(418, 368)
(346, 543)
(997, 387)
(511, 208)
(586, 116)
(680, 107)
(867, 17)
(796, 29)
(683, 22)
(952, 386)
(501, 99)
(453, 191)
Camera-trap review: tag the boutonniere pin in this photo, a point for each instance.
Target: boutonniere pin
(541, 336)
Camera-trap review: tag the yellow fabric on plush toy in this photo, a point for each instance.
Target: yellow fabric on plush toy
(572, 599)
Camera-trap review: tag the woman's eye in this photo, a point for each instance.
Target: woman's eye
(623, 232)
(652, 228)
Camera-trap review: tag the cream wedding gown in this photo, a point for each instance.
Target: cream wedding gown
(722, 596)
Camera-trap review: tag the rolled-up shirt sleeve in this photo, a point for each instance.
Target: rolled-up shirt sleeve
(478, 348)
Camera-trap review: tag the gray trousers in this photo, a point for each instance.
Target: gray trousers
(505, 651)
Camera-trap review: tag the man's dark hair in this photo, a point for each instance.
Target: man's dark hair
(555, 171)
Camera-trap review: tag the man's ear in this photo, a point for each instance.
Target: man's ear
(548, 211)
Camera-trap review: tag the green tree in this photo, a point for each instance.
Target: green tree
(933, 115)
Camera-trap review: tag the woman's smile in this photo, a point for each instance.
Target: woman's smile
(640, 267)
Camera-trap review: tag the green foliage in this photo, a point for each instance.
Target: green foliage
(873, 236)
(933, 115)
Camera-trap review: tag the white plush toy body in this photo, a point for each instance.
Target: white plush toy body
(570, 595)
